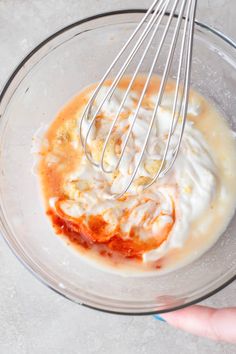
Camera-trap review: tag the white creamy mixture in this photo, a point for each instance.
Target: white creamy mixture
(176, 202)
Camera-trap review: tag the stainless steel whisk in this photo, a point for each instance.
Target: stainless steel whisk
(182, 13)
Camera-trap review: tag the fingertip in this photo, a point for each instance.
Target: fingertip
(159, 318)
(217, 324)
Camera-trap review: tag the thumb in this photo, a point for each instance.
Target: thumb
(217, 324)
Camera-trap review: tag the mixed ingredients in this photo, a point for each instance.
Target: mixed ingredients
(158, 228)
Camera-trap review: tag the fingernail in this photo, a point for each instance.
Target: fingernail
(159, 318)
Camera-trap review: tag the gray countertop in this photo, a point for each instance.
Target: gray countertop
(33, 318)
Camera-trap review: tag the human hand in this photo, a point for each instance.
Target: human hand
(217, 324)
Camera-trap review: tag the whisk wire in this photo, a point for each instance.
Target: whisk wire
(115, 81)
(160, 93)
(156, 13)
(187, 86)
(175, 117)
(162, 13)
(141, 100)
(160, 10)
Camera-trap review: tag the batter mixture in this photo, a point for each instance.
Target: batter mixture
(153, 230)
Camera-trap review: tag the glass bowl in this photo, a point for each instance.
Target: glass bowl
(44, 81)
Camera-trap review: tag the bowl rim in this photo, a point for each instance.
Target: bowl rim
(3, 230)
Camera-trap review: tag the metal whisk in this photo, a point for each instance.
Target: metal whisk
(182, 13)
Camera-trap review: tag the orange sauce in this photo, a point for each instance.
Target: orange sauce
(96, 232)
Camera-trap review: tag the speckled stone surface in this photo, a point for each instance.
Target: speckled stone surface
(33, 319)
